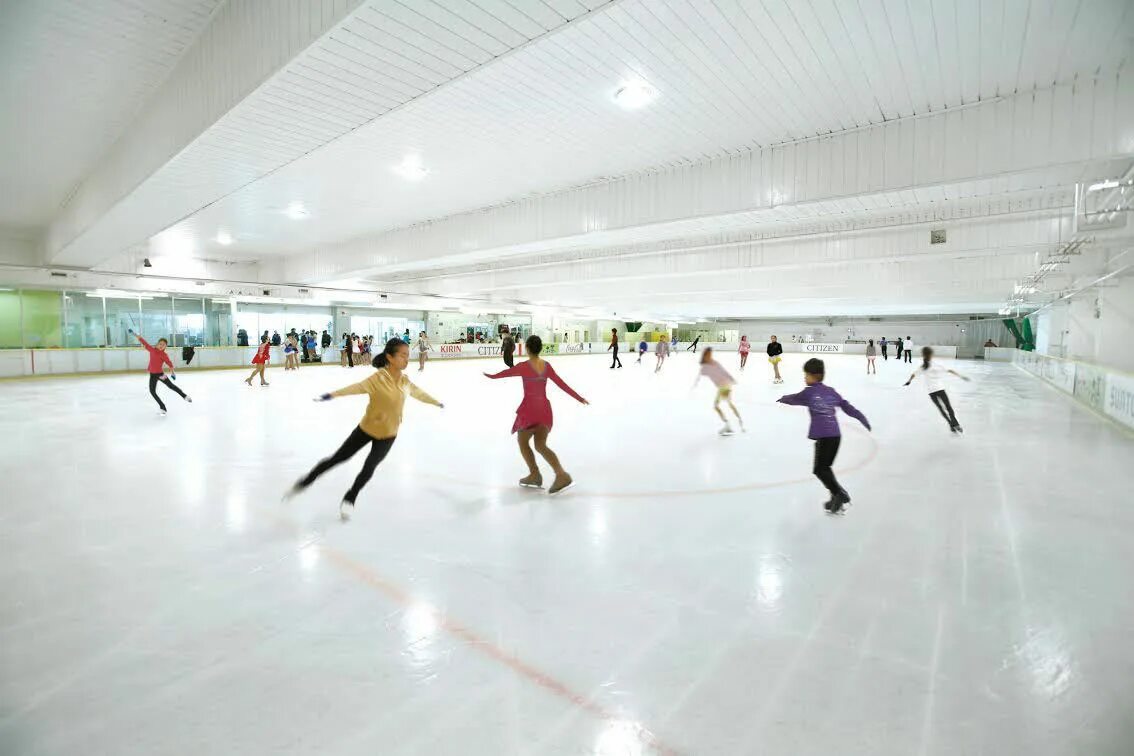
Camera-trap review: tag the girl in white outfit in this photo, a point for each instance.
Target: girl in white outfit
(934, 376)
(662, 351)
(871, 355)
(422, 348)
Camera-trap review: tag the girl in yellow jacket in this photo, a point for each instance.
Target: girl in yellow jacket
(387, 389)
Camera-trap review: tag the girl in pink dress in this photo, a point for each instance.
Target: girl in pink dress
(533, 416)
(745, 347)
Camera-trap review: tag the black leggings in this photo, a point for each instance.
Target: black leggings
(616, 361)
(825, 451)
(358, 438)
(941, 401)
(508, 360)
(154, 378)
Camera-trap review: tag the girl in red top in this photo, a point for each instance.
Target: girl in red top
(533, 416)
(260, 361)
(158, 360)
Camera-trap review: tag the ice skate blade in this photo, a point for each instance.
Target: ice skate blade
(558, 491)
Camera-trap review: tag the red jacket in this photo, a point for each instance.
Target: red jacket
(157, 357)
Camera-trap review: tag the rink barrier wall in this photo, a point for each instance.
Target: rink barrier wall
(15, 363)
(1000, 354)
(1108, 392)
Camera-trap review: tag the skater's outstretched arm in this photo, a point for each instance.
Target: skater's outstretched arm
(963, 378)
(912, 376)
(506, 373)
(851, 410)
(422, 396)
(554, 376)
(796, 399)
(362, 387)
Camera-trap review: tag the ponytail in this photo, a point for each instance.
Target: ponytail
(926, 355)
(389, 351)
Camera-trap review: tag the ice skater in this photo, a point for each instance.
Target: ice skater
(775, 349)
(908, 349)
(260, 362)
(898, 346)
(422, 348)
(387, 389)
(662, 351)
(614, 346)
(508, 349)
(871, 355)
(159, 359)
(821, 401)
(934, 376)
(534, 418)
(744, 348)
(724, 383)
(642, 349)
(693, 347)
(290, 352)
(883, 343)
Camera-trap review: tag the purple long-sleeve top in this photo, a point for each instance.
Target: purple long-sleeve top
(821, 401)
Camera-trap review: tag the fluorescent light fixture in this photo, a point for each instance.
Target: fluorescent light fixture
(296, 211)
(634, 93)
(224, 238)
(411, 168)
(118, 294)
(1108, 184)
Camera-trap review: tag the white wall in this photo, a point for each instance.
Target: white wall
(936, 332)
(1096, 326)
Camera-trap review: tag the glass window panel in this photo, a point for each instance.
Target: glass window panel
(156, 319)
(188, 322)
(83, 321)
(220, 330)
(121, 317)
(43, 319)
(11, 336)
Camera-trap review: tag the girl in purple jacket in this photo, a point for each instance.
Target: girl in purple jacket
(821, 401)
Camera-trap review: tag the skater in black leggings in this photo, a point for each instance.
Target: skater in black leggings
(159, 359)
(614, 345)
(934, 375)
(387, 389)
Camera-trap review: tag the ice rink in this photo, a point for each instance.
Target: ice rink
(688, 595)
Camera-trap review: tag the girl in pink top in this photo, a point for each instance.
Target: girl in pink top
(533, 416)
(745, 347)
(724, 383)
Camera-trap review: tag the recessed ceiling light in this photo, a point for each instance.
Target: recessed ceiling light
(297, 211)
(634, 94)
(1111, 184)
(411, 168)
(224, 238)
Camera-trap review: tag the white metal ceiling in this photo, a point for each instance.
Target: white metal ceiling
(420, 78)
(73, 74)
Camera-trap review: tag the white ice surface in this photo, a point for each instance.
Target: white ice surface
(688, 596)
